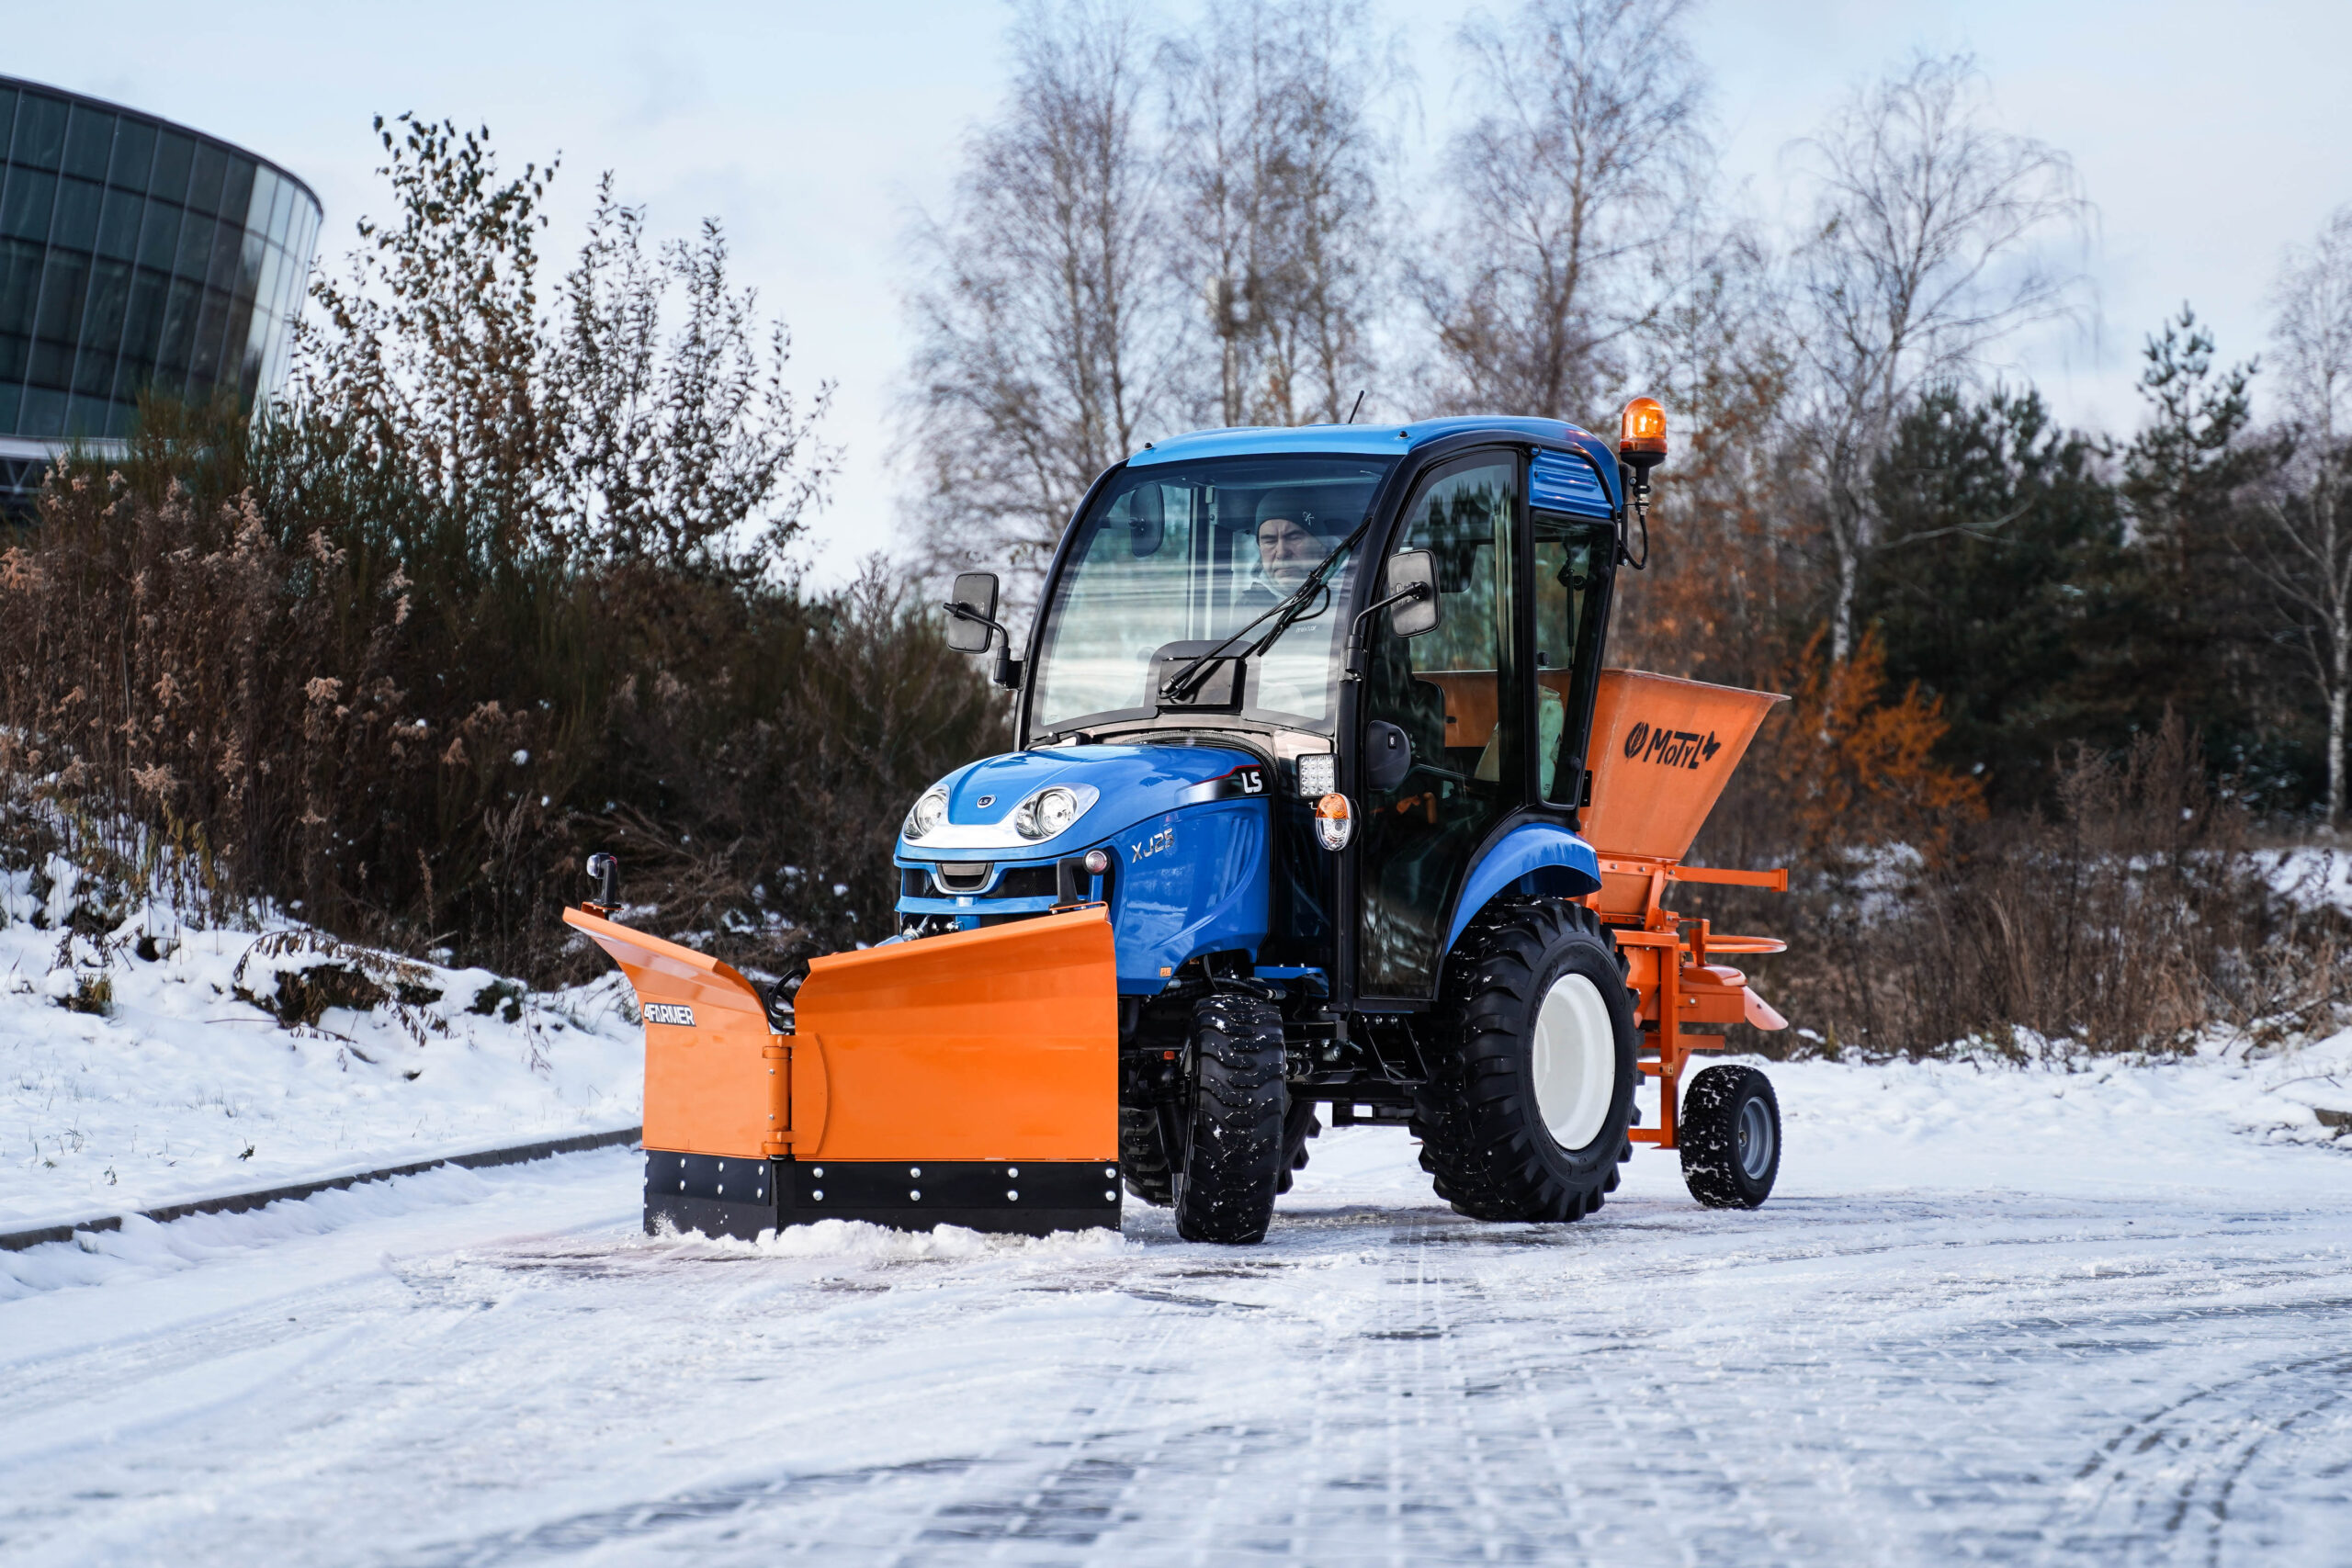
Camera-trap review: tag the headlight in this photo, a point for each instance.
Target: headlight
(1045, 814)
(929, 813)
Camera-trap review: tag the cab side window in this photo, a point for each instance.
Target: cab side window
(1572, 561)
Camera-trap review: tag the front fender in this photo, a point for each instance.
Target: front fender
(1189, 881)
(1535, 857)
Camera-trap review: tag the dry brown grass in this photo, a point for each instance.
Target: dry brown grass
(243, 695)
(2134, 919)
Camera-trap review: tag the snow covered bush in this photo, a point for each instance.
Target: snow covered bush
(503, 583)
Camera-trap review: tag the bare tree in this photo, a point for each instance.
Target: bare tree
(1567, 191)
(697, 457)
(433, 346)
(1732, 574)
(1923, 252)
(1045, 327)
(2304, 557)
(1280, 165)
(584, 437)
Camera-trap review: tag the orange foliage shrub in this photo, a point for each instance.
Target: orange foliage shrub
(1853, 766)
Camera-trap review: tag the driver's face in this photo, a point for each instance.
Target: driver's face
(1287, 552)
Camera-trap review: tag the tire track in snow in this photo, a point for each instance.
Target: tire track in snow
(1051, 1492)
(1871, 1381)
(2160, 1489)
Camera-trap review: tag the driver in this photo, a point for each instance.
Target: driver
(1288, 549)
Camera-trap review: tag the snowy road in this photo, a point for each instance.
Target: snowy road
(2115, 1333)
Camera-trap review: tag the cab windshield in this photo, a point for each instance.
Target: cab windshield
(1185, 554)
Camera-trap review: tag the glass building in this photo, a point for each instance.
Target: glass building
(134, 254)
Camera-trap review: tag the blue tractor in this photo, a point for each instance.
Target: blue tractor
(1308, 712)
(1314, 746)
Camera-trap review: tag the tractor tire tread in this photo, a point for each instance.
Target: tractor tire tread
(1470, 1117)
(1232, 1163)
(1143, 1163)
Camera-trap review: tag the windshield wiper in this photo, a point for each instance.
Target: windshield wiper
(1182, 685)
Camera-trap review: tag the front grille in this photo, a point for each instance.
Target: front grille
(1027, 882)
(964, 878)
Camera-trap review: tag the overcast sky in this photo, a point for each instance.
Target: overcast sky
(2208, 137)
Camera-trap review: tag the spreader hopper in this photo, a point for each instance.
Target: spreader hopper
(1662, 750)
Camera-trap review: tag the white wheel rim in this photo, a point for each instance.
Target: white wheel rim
(1575, 1061)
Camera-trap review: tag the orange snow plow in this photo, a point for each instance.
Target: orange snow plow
(969, 1079)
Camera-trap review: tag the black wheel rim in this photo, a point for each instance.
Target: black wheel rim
(1756, 1139)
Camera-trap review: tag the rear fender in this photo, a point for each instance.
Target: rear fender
(1535, 857)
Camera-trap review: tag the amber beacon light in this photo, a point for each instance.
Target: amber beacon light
(1641, 437)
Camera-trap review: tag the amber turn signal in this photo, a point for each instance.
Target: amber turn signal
(1334, 823)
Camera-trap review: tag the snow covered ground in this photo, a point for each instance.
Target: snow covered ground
(181, 1090)
(2312, 875)
(2016, 1316)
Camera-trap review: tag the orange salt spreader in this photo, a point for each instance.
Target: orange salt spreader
(1323, 799)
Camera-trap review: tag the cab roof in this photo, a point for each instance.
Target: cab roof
(1374, 440)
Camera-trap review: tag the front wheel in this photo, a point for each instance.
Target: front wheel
(1730, 1137)
(1525, 1117)
(1233, 1158)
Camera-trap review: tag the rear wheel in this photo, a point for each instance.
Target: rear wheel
(1232, 1161)
(1525, 1118)
(1731, 1138)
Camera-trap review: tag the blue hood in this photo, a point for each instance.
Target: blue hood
(1131, 783)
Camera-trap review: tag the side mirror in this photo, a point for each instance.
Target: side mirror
(1387, 755)
(1147, 522)
(971, 612)
(1416, 613)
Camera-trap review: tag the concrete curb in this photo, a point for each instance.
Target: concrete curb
(17, 1241)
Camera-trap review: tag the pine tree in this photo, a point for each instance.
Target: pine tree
(2179, 622)
(1994, 517)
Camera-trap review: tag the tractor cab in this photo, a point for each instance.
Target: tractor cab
(1392, 636)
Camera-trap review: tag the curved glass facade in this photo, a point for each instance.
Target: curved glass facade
(136, 254)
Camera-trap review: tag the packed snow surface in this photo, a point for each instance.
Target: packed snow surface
(1991, 1315)
(182, 1090)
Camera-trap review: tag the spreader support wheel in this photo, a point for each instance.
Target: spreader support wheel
(1730, 1137)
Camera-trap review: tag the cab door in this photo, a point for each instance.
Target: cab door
(1460, 697)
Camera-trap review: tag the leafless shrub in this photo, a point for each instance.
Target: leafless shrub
(2136, 918)
(296, 975)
